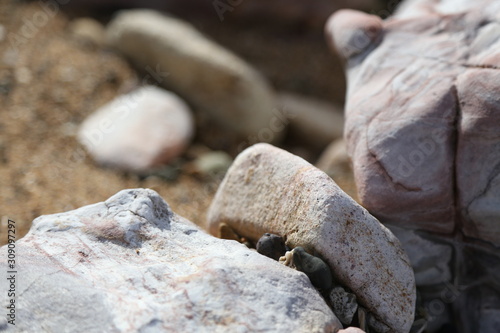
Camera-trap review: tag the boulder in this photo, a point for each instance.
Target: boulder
(138, 131)
(130, 264)
(210, 77)
(268, 190)
(422, 114)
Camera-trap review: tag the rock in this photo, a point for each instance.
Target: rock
(316, 269)
(422, 116)
(351, 330)
(272, 246)
(138, 131)
(226, 232)
(269, 190)
(89, 30)
(212, 163)
(312, 121)
(130, 264)
(210, 77)
(344, 304)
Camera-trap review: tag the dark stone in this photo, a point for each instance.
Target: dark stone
(272, 246)
(316, 269)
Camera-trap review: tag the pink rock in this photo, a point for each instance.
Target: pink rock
(422, 114)
(138, 131)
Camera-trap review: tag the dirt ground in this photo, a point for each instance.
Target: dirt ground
(50, 81)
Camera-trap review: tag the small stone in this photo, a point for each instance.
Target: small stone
(316, 269)
(344, 304)
(138, 131)
(213, 163)
(89, 30)
(351, 330)
(226, 232)
(272, 246)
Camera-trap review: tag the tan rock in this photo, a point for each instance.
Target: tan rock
(270, 190)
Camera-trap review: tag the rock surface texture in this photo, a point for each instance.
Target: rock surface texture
(204, 73)
(138, 131)
(422, 119)
(270, 190)
(130, 264)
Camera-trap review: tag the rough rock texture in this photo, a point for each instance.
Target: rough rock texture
(422, 118)
(204, 73)
(270, 190)
(138, 131)
(313, 121)
(129, 264)
(422, 114)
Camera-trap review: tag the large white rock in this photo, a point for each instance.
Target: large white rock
(130, 264)
(270, 190)
(138, 131)
(203, 72)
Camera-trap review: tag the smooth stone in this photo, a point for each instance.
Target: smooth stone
(138, 131)
(316, 269)
(270, 190)
(130, 264)
(351, 330)
(344, 304)
(272, 246)
(312, 121)
(213, 79)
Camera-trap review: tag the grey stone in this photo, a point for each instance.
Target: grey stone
(130, 264)
(316, 269)
(210, 77)
(344, 304)
(270, 190)
(272, 246)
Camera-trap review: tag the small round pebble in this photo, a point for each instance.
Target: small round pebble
(316, 269)
(272, 246)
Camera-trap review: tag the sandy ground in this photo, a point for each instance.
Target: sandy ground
(50, 81)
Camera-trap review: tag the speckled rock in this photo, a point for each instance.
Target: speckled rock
(130, 264)
(344, 304)
(204, 73)
(138, 131)
(422, 119)
(270, 190)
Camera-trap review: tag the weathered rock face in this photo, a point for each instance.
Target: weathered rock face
(129, 264)
(422, 114)
(138, 131)
(270, 190)
(204, 73)
(422, 118)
